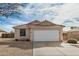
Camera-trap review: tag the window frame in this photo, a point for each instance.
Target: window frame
(22, 32)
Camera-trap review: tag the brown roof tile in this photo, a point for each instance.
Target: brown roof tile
(34, 22)
(45, 22)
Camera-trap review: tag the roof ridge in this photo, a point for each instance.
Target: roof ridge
(47, 22)
(33, 22)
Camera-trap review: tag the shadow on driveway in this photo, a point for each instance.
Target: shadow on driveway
(46, 44)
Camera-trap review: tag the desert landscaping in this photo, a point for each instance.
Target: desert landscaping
(10, 47)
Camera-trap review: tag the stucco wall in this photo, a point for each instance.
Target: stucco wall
(1, 34)
(74, 34)
(17, 34)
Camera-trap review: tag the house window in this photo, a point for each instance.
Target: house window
(22, 32)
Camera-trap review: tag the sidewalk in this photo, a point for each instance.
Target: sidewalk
(47, 51)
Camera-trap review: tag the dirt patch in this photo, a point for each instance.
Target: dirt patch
(9, 47)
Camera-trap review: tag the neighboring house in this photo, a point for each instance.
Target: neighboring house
(39, 31)
(1, 32)
(72, 33)
(8, 35)
(65, 36)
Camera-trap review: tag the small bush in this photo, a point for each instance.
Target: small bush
(16, 39)
(27, 39)
(73, 41)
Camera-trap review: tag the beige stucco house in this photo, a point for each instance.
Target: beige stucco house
(39, 31)
(72, 33)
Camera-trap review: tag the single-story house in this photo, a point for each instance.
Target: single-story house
(72, 33)
(39, 31)
(1, 32)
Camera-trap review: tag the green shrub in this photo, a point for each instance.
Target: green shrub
(72, 40)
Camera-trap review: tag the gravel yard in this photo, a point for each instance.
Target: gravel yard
(9, 47)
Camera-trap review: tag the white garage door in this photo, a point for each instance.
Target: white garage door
(46, 35)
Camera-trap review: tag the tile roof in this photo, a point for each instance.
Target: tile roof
(40, 23)
(34, 22)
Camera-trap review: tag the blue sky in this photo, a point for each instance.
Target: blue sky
(60, 13)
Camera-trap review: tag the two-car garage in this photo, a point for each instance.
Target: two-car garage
(46, 35)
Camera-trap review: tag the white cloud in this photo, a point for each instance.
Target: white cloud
(55, 13)
(69, 10)
(41, 8)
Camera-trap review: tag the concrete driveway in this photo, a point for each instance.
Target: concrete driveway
(40, 44)
(43, 49)
(56, 51)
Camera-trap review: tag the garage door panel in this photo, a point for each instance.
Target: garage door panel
(46, 35)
